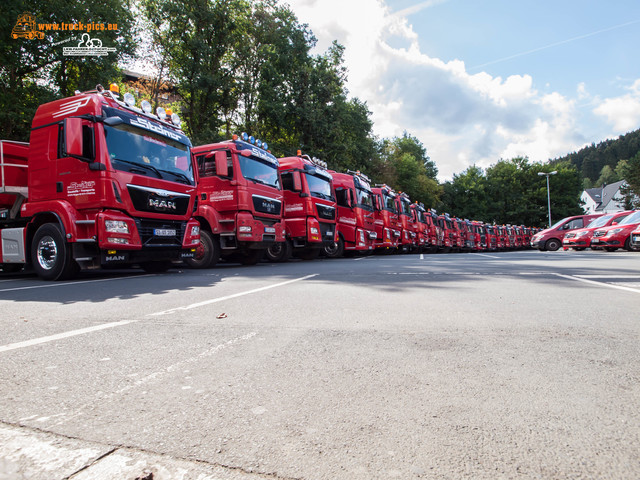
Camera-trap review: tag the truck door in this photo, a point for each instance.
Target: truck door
(75, 181)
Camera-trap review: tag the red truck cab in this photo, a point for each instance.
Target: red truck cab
(355, 214)
(409, 235)
(239, 201)
(387, 220)
(309, 208)
(551, 238)
(617, 236)
(101, 183)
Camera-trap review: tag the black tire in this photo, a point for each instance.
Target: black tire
(335, 250)
(279, 252)
(251, 257)
(156, 267)
(628, 247)
(552, 245)
(51, 255)
(207, 253)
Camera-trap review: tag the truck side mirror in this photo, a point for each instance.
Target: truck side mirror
(297, 182)
(73, 145)
(222, 168)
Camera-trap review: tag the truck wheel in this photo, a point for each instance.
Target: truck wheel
(156, 267)
(251, 257)
(279, 252)
(207, 253)
(51, 255)
(552, 245)
(335, 250)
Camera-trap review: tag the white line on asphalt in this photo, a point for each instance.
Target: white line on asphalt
(154, 376)
(422, 256)
(485, 255)
(630, 277)
(228, 297)
(601, 284)
(60, 336)
(56, 284)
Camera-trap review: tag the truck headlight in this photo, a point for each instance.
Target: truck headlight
(121, 241)
(116, 226)
(195, 230)
(313, 230)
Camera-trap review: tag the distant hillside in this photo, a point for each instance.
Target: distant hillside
(590, 161)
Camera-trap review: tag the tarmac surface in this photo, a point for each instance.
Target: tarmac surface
(460, 366)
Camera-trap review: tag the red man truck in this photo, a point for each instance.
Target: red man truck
(100, 183)
(239, 201)
(409, 236)
(387, 219)
(309, 208)
(355, 215)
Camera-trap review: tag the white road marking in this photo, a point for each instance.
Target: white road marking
(60, 336)
(57, 284)
(485, 255)
(600, 284)
(422, 256)
(155, 375)
(228, 297)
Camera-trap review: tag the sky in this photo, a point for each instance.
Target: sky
(479, 81)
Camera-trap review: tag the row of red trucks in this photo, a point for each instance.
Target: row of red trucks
(104, 183)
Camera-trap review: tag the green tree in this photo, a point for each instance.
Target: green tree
(405, 166)
(630, 171)
(466, 195)
(607, 175)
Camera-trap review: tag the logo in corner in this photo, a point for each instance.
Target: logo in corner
(25, 27)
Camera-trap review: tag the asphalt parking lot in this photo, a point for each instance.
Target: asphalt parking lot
(459, 366)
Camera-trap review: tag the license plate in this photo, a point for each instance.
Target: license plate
(636, 238)
(269, 229)
(164, 232)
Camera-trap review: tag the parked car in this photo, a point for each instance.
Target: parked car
(551, 238)
(581, 238)
(617, 236)
(635, 238)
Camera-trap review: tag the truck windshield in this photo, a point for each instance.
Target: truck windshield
(365, 198)
(319, 187)
(406, 206)
(147, 153)
(259, 171)
(389, 202)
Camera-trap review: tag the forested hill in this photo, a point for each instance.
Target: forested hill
(592, 161)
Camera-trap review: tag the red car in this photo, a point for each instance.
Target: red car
(617, 236)
(581, 238)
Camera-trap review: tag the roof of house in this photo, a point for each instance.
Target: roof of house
(603, 195)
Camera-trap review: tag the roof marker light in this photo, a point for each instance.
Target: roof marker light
(252, 140)
(264, 146)
(129, 99)
(161, 112)
(244, 136)
(175, 119)
(146, 106)
(114, 88)
(258, 143)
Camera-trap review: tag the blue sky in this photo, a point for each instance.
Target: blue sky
(477, 81)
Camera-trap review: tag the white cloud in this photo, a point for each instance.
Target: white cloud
(461, 118)
(622, 112)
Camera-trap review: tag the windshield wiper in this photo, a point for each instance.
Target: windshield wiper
(322, 195)
(257, 180)
(181, 176)
(141, 165)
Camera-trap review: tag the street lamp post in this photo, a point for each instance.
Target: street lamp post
(548, 193)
